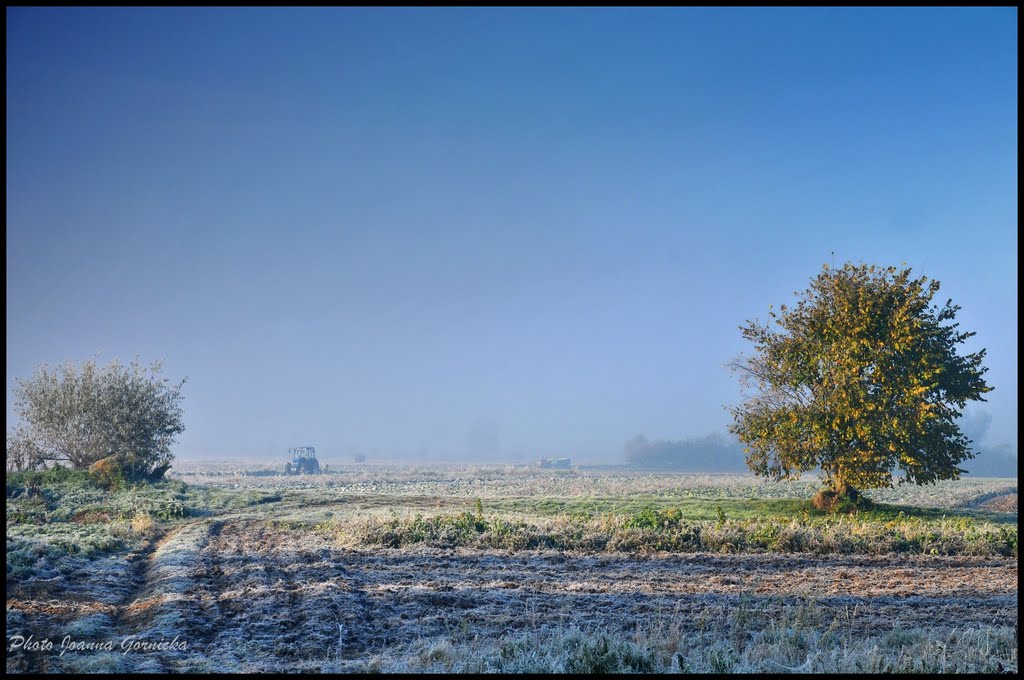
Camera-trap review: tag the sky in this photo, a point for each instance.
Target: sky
(449, 233)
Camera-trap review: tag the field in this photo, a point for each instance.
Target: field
(507, 569)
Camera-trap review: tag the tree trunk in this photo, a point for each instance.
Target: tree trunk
(835, 492)
(845, 491)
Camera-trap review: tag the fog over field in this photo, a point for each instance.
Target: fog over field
(499, 235)
(715, 452)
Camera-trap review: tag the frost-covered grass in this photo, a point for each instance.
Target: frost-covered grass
(58, 513)
(524, 482)
(782, 647)
(58, 521)
(426, 569)
(621, 511)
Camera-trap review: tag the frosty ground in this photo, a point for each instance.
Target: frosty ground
(508, 569)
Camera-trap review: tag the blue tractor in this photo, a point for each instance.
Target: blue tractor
(303, 461)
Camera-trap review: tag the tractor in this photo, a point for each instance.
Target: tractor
(303, 461)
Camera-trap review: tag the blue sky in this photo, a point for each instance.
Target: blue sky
(447, 232)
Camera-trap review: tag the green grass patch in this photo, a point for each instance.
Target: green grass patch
(671, 529)
(702, 509)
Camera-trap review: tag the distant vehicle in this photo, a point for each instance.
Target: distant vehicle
(561, 463)
(303, 461)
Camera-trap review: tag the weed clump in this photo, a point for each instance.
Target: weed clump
(843, 500)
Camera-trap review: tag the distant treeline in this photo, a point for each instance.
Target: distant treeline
(713, 453)
(716, 453)
(994, 461)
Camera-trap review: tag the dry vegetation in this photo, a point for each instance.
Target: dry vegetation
(511, 570)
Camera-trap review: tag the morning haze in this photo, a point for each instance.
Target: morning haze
(490, 234)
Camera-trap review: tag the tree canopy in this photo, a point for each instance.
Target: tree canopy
(860, 379)
(80, 416)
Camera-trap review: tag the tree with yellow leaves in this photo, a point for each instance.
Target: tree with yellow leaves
(861, 379)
